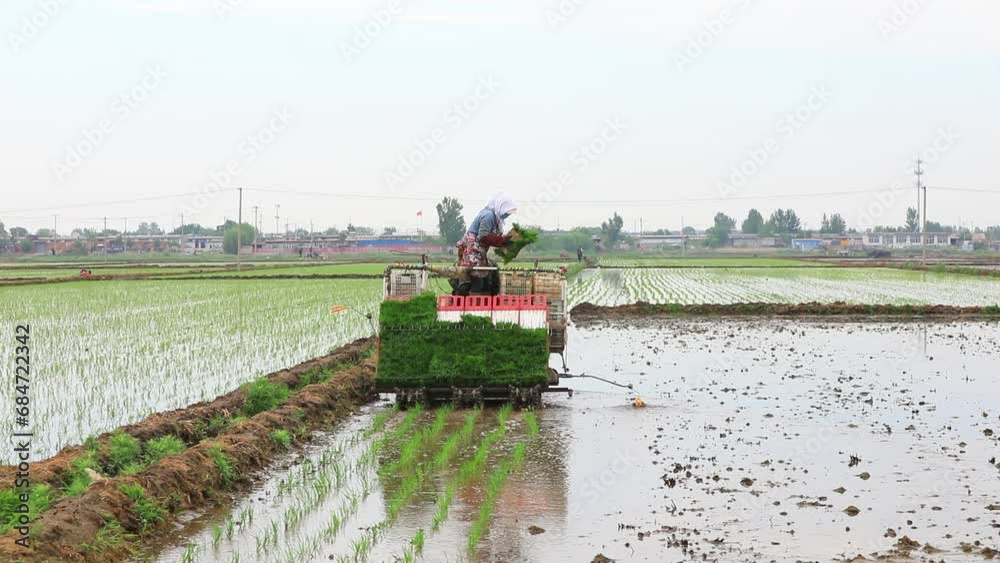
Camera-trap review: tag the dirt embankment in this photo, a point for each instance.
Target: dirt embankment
(192, 479)
(586, 312)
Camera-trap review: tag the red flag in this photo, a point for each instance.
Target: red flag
(420, 213)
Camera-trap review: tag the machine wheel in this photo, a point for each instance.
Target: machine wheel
(407, 398)
(462, 397)
(521, 397)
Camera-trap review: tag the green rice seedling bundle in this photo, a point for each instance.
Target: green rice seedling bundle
(417, 350)
(520, 237)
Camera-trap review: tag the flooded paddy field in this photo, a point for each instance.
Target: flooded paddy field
(762, 440)
(610, 287)
(162, 345)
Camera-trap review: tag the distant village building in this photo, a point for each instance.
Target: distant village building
(908, 240)
(315, 246)
(745, 240)
(203, 244)
(651, 242)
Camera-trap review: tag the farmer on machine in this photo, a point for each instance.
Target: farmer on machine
(486, 231)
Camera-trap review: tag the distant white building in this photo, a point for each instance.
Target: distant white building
(908, 240)
(649, 241)
(203, 244)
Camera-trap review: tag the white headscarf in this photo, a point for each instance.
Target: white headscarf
(501, 203)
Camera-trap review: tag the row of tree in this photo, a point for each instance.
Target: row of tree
(781, 223)
(786, 223)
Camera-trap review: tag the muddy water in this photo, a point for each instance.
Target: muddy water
(751, 434)
(760, 440)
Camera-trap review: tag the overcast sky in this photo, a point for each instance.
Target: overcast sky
(647, 107)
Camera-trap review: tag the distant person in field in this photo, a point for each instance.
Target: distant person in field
(486, 231)
(579, 254)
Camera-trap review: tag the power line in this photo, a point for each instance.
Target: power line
(101, 203)
(556, 201)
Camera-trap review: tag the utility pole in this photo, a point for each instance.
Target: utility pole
(55, 226)
(277, 229)
(684, 239)
(256, 224)
(923, 240)
(919, 172)
(924, 235)
(239, 231)
(125, 236)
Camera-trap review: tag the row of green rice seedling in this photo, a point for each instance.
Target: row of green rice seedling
(496, 481)
(303, 490)
(466, 472)
(352, 499)
(411, 483)
(328, 461)
(411, 449)
(391, 437)
(494, 485)
(469, 469)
